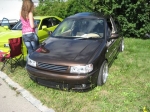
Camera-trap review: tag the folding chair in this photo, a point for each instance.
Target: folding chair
(14, 56)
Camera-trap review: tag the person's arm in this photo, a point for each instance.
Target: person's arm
(31, 20)
(20, 14)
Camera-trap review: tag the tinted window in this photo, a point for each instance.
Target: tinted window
(49, 22)
(46, 22)
(109, 24)
(55, 21)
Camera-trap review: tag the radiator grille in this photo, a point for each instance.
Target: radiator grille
(52, 67)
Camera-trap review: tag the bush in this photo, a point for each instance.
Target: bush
(133, 15)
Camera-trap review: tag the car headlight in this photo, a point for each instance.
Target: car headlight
(31, 62)
(6, 45)
(81, 69)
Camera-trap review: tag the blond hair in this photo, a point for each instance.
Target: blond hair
(27, 7)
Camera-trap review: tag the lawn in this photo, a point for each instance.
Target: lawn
(126, 90)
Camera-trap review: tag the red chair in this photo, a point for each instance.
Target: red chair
(14, 56)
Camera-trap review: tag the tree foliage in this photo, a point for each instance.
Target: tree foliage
(134, 16)
(52, 7)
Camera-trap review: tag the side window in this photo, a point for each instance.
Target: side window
(36, 22)
(49, 22)
(118, 26)
(55, 21)
(109, 24)
(44, 23)
(108, 28)
(18, 26)
(114, 29)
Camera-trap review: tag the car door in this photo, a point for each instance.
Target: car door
(112, 44)
(43, 33)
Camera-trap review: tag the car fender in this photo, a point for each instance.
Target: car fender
(99, 55)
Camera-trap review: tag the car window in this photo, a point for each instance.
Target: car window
(55, 21)
(37, 21)
(46, 22)
(49, 22)
(118, 26)
(80, 28)
(5, 22)
(18, 26)
(111, 25)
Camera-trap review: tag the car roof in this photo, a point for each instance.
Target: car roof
(42, 17)
(88, 15)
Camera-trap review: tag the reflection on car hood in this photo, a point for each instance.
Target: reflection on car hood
(67, 50)
(4, 36)
(2, 29)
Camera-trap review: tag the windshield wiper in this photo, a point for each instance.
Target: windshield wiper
(85, 38)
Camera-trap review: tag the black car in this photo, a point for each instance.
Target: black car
(78, 53)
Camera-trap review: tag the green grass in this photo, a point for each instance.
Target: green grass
(126, 90)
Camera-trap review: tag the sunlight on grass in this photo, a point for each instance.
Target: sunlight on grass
(126, 90)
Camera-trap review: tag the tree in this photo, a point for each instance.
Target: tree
(134, 16)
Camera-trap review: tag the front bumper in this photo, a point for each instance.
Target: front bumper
(62, 80)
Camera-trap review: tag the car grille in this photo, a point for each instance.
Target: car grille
(52, 67)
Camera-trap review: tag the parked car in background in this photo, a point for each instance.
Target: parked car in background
(7, 24)
(2, 29)
(78, 53)
(46, 24)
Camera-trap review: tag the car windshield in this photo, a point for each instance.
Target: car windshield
(18, 26)
(80, 28)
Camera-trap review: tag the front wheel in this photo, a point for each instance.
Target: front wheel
(103, 74)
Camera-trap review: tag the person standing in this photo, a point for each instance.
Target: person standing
(28, 27)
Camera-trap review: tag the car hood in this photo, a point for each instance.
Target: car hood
(4, 36)
(67, 50)
(2, 29)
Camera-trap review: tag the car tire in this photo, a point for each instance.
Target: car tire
(103, 74)
(122, 46)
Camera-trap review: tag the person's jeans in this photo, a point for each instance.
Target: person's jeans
(31, 42)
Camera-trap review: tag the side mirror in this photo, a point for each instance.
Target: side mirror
(114, 36)
(44, 27)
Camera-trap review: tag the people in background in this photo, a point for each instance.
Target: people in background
(28, 27)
